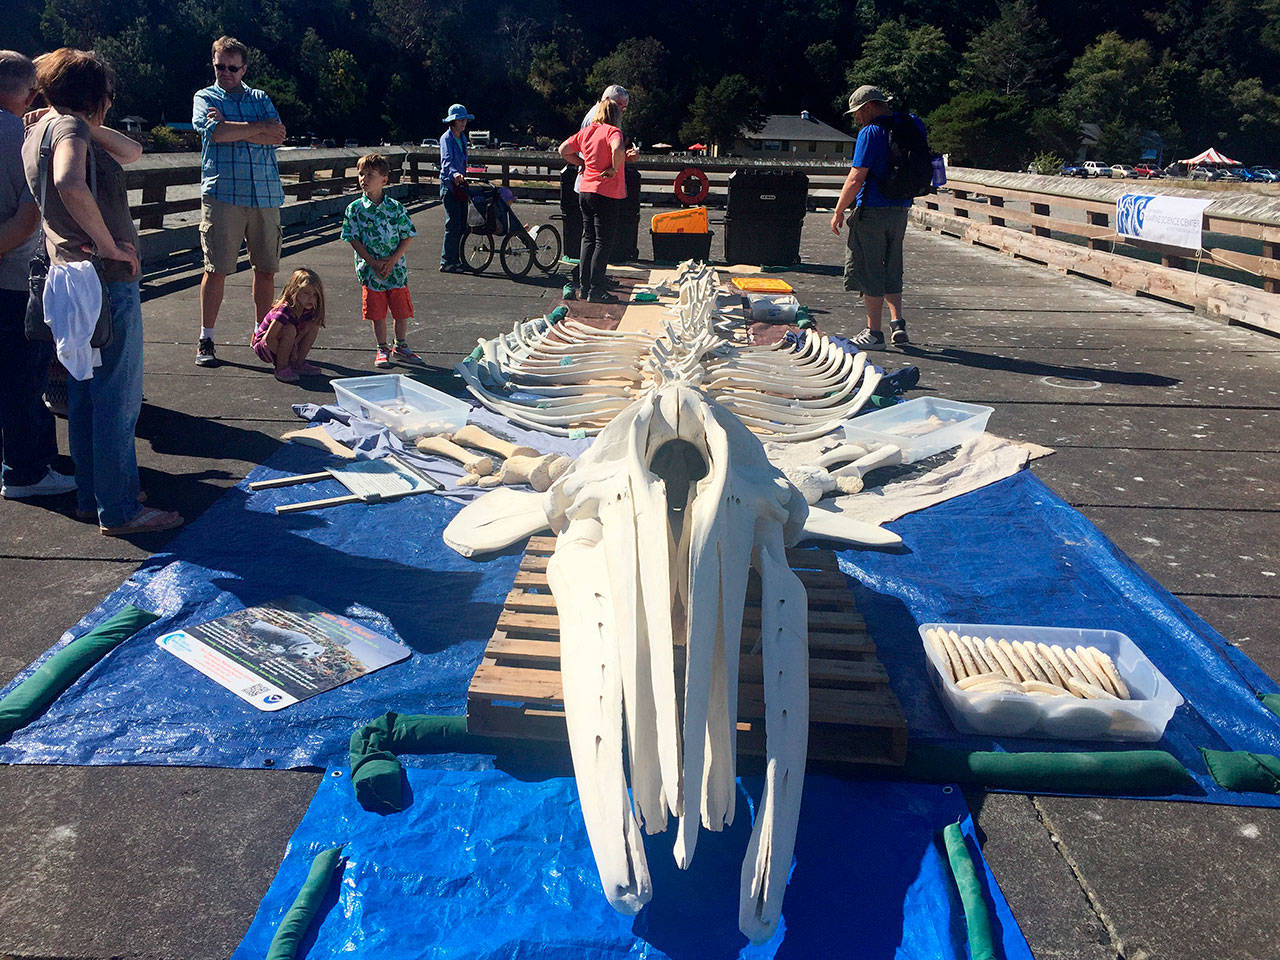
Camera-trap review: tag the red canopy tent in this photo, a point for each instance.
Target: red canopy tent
(697, 146)
(1210, 156)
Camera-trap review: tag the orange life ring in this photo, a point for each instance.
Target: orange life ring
(682, 180)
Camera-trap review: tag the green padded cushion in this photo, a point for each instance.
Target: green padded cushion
(1242, 771)
(976, 918)
(32, 697)
(284, 945)
(1127, 772)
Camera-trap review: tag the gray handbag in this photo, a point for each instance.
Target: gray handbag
(38, 272)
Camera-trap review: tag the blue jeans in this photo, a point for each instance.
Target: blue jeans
(102, 412)
(455, 221)
(27, 439)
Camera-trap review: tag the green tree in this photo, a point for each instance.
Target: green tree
(641, 65)
(282, 88)
(1257, 129)
(913, 66)
(1107, 85)
(983, 129)
(342, 92)
(136, 54)
(1015, 53)
(718, 114)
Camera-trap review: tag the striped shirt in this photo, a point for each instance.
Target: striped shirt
(240, 173)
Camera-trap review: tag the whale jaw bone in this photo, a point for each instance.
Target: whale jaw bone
(669, 509)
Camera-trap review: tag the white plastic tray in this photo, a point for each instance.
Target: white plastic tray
(1142, 718)
(921, 427)
(409, 408)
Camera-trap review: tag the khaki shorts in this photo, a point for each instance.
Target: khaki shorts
(224, 226)
(873, 258)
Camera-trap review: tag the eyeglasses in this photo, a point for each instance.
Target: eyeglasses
(227, 68)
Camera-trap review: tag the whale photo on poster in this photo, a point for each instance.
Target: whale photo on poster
(1174, 221)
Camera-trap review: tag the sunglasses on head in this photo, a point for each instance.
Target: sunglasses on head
(227, 68)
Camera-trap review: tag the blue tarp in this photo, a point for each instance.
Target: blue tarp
(1014, 553)
(483, 865)
(383, 565)
(1010, 553)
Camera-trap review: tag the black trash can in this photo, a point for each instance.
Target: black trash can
(571, 211)
(764, 215)
(626, 245)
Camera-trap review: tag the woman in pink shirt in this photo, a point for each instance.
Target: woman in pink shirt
(598, 150)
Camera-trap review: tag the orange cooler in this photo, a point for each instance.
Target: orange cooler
(688, 220)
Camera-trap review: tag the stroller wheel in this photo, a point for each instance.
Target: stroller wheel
(517, 255)
(546, 242)
(476, 250)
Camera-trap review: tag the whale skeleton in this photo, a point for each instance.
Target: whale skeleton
(570, 379)
(657, 525)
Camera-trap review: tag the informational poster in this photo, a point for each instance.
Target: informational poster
(283, 652)
(1174, 221)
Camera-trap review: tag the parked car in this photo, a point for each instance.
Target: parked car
(1122, 171)
(1265, 174)
(1073, 170)
(1148, 171)
(1229, 175)
(351, 142)
(1096, 168)
(1205, 174)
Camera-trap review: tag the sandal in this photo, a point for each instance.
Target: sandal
(93, 514)
(146, 520)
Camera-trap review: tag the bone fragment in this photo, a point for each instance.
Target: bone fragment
(441, 446)
(480, 439)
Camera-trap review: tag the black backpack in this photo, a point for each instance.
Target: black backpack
(910, 170)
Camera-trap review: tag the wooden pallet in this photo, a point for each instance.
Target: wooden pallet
(854, 716)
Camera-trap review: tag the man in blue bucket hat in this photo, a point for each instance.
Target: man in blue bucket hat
(453, 186)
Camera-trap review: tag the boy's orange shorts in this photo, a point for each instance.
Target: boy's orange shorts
(375, 303)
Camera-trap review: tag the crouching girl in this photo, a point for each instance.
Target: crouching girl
(287, 332)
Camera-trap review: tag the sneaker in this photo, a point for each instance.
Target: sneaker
(205, 357)
(452, 268)
(402, 352)
(601, 296)
(50, 485)
(898, 333)
(383, 357)
(869, 339)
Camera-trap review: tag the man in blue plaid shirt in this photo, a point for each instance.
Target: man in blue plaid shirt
(240, 192)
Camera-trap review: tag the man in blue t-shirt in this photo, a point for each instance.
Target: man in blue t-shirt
(873, 263)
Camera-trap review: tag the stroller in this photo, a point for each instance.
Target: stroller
(492, 224)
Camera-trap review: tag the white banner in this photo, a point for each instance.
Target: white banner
(1174, 221)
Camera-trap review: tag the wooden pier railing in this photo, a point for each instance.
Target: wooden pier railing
(1069, 225)
(1065, 223)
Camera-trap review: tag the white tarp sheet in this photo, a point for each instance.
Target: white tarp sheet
(1175, 221)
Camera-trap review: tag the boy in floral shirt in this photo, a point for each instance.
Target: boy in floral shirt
(379, 229)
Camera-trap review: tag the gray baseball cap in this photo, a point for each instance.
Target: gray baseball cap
(866, 94)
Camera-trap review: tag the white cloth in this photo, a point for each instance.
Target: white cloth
(978, 462)
(72, 303)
